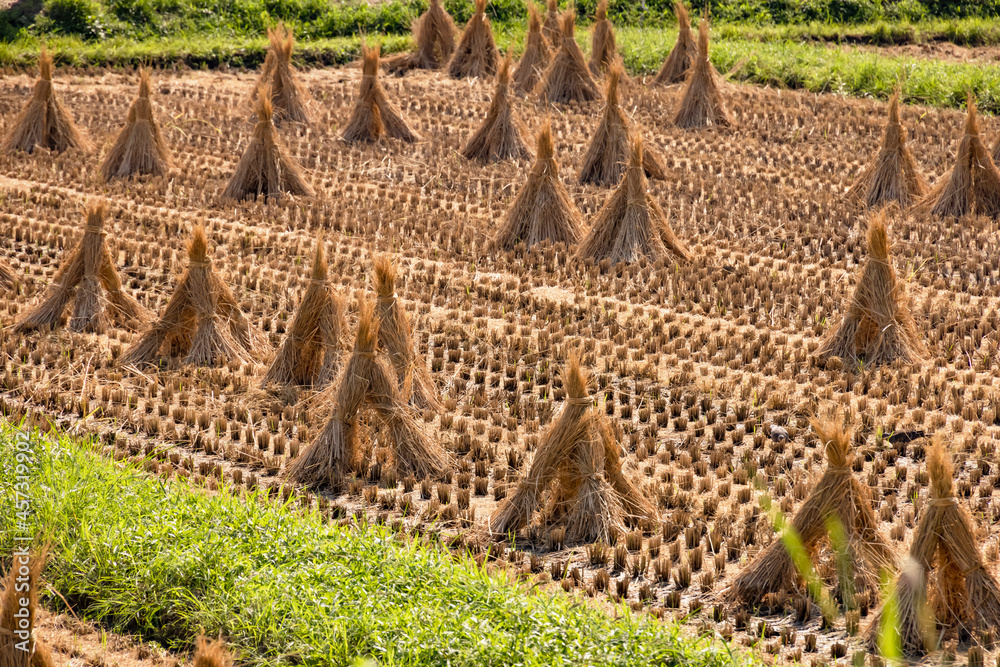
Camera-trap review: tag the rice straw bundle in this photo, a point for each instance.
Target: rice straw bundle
(839, 496)
(878, 327)
(139, 148)
(210, 654)
(367, 382)
(202, 321)
(577, 466)
(434, 34)
(893, 175)
(476, 55)
(288, 97)
(337, 447)
(701, 101)
(266, 169)
(542, 209)
(965, 595)
(567, 78)
(374, 116)
(684, 54)
(87, 277)
(973, 184)
(44, 121)
(607, 155)
(631, 224)
(310, 353)
(535, 57)
(19, 643)
(414, 382)
(603, 47)
(501, 136)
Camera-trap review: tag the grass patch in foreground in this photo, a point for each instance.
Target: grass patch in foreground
(168, 561)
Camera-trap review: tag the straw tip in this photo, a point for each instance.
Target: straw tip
(198, 246)
(939, 468)
(210, 653)
(602, 11)
(319, 266)
(385, 276)
(971, 116)
(576, 378)
(878, 236)
(368, 325)
(480, 6)
(45, 63)
(703, 39)
(836, 440)
(264, 106)
(144, 82)
(503, 72)
(546, 148)
(568, 22)
(635, 152)
(96, 212)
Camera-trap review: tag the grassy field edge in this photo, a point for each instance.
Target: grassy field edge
(167, 560)
(815, 67)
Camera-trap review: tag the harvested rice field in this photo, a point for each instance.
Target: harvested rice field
(704, 370)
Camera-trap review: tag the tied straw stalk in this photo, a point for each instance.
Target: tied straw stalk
(87, 277)
(542, 211)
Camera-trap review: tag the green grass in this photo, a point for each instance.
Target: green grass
(816, 67)
(824, 69)
(169, 561)
(196, 51)
(974, 31)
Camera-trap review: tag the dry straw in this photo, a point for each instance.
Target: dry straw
(973, 184)
(310, 354)
(603, 48)
(368, 382)
(551, 29)
(476, 55)
(536, 55)
(893, 176)
(607, 155)
(414, 381)
(278, 75)
(567, 79)
(965, 596)
(577, 466)
(542, 209)
(631, 224)
(12, 608)
(501, 136)
(878, 327)
(139, 148)
(434, 35)
(44, 121)
(89, 279)
(684, 53)
(266, 169)
(211, 654)
(202, 322)
(374, 116)
(701, 101)
(8, 277)
(838, 496)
